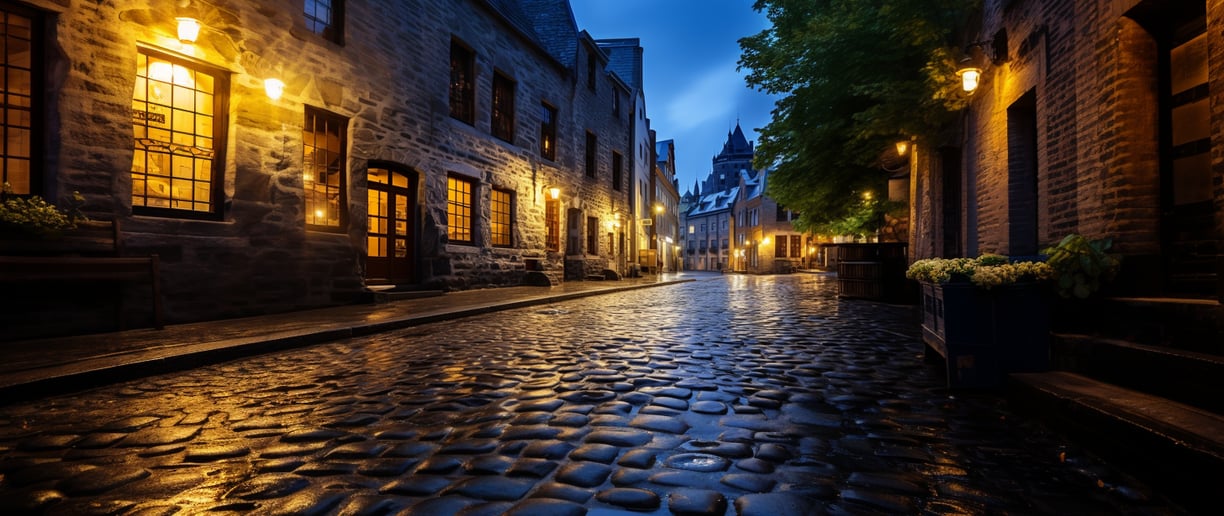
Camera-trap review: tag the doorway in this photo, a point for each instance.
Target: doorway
(391, 219)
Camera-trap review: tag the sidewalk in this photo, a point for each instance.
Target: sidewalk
(33, 368)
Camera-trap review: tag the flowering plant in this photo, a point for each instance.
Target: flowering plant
(32, 215)
(988, 270)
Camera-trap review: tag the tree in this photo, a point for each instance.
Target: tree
(855, 76)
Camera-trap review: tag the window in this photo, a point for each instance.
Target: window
(21, 64)
(326, 18)
(782, 216)
(592, 235)
(178, 124)
(552, 224)
(692, 229)
(780, 246)
(616, 102)
(501, 217)
(323, 168)
(459, 210)
(703, 228)
(796, 246)
(462, 83)
(617, 165)
(591, 69)
(548, 132)
(592, 146)
(503, 107)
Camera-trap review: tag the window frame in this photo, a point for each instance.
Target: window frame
(618, 166)
(37, 95)
(548, 131)
(341, 123)
(470, 225)
(552, 225)
(591, 154)
(501, 114)
(219, 138)
(496, 236)
(462, 93)
(333, 30)
(592, 236)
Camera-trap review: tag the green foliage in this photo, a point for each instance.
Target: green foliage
(32, 215)
(855, 76)
(1081, 265)
(863, 218)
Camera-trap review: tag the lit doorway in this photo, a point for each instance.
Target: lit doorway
(391, 224)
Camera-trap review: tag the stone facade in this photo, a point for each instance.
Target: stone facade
(1082, 125)
(387, 77)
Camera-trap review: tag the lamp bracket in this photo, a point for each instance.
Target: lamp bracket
(994, 48)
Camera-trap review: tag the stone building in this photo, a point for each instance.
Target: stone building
(666, 204)
(765, 241)
(1098, 118)
(707, 241)
(288, 157)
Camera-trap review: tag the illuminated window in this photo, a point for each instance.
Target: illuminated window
(592, 146)
(462, 83)
(324, 169)
(552, 223)
(325, 18)
(617, 172)
(21, 64)
(503, 107)
(177, 117)
(796, 246)
(501, 217)
(459, 210)
(548, 132)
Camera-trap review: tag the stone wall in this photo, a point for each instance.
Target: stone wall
(389, 79)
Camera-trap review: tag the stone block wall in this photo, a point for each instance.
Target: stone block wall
(389, 80)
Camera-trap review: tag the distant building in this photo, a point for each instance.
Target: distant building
(666, 204)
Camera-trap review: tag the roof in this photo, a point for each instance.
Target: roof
(553, 24)
(714, 203)
(624, 59)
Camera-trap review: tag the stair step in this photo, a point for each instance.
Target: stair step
(388, 296)
(1176, 374)
(1183, 323)
(1175, 447)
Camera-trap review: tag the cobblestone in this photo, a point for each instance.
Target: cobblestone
(784, 400)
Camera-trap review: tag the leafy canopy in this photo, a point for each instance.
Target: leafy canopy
(855, 76)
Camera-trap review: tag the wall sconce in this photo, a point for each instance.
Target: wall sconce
(274, 88)
(658, 208)
(188, 29)
(995, 49)
(902, 147)
(554, 193)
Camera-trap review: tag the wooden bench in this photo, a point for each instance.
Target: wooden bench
(89, 253)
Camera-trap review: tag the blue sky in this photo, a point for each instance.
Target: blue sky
(693, 92)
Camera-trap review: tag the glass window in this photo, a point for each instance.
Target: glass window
(796, 246)
(592, 145)
(617, 165)
(592, 235)
(503, 107)
(462, 83)
(21, 64)
(176, 165)
(324, 168)
(501, 217)
(780, 246)
(548, 132)
(325, 18)
(459, 210)
(552, 223)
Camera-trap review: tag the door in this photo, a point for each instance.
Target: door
(1188, 211)
(391, 223)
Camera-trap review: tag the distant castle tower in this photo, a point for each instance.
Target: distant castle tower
(736, 155)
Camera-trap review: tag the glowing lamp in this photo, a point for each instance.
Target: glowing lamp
(554, 193)
(188, 30)
(274, 88)
(970, 76)
(902, 147)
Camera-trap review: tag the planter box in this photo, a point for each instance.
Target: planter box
(983, 334)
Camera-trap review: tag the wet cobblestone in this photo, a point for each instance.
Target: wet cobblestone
(769, 396)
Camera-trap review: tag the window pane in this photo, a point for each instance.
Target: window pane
(459, 210)
(323, 168)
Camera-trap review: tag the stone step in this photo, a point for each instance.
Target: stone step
(1182, 376)
(1175, 447)
(1187, 324)
(389, 296)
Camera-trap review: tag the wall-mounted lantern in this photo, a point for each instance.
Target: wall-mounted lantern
(902, 147)
(995, 49)
(274, 88)
(188, 29)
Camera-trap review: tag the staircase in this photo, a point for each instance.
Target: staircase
(1140, 381)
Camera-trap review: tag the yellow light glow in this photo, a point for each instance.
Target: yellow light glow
(867, 196)
(188, 30)
(658, 208)
(970, 77)
(902, 147)
(274, 88)
(554, 193)
(765, 241)
(319, 215)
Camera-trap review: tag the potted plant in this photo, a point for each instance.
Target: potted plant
(985, 316)
(1081, 265)
(32, 216)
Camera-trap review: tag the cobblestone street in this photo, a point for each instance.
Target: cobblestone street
(783, 400)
